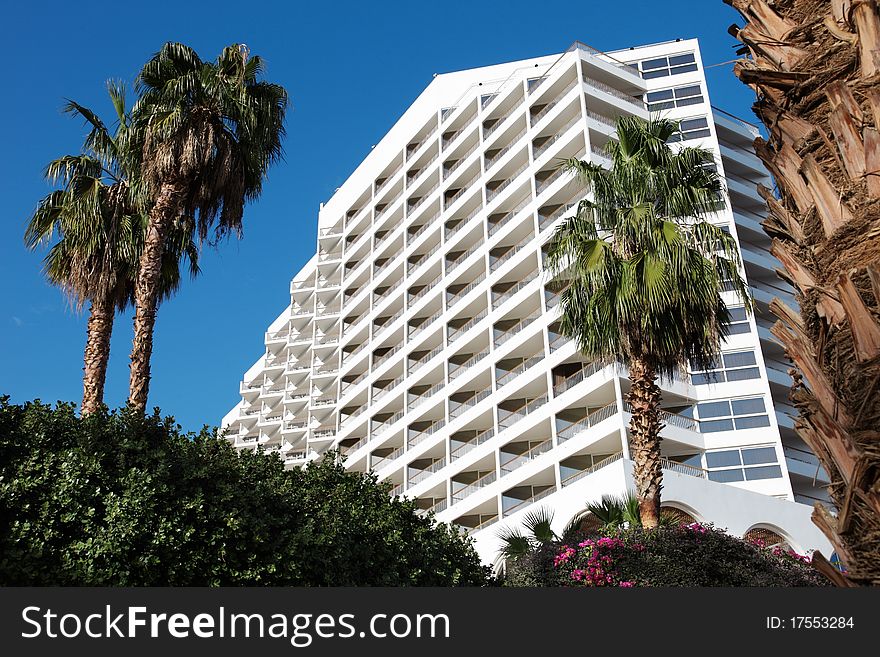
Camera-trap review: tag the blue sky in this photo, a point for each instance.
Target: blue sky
(351, 69)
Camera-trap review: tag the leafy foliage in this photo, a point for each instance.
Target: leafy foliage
(681, 556)
(124, 500)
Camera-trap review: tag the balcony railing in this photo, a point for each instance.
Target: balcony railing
(482, 525)
(683, 468)
(417, 400)
(412, 178)
(427, 288)
(415, 147)
(378, 393)
(426, 323)
(418, 436)
(520, 459)
(452, 334)
(514, 141)
(421, 475)
(495, 226)
(544, 222)
(386, 424)
(576, 377)
(510, 375)
(470, 402)
(424, 197)
(493, 193)
(512, 251)
(473, 487)
(437, 507)
(377, 361)
(461, 160)
(452, 264)
(455, 297)
(464, 222)
(464, 188)
(505, 335)
(601, 86)
(538, 151)
(463, 367)
(478, 439)
(411, 237)
(549, 106)
(388, 178)
(355, 446)
(585, 423)
(507, 418)
(672, 419)
(540, 186)
(324, 401)
(498, 298)
(601, 118)
(414, 365)
(487, 132)
(577, 476)
(410, 266)
(530, 500)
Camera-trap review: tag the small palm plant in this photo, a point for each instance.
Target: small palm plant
(642, 274)
(538, 526)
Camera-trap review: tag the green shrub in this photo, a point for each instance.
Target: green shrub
(680, 556)
(115, 499)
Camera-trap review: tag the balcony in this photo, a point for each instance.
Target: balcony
(416, 364)
(415, 436)
(591, 420)
(509, 417)
(496, 223)
(498, 298)
(454, 297)
(448, 171)
(426, 287)
(422, 474)
(413, 264)
(558, 213)
(416, 399)
(381, 426)
(549, 106)
(379, 392)
(496, 157)
(493, 192)
(573, 379)
(469, 489)
(424, 322)
(518, 460)
(510, 375)
(452, 333)
(539, 150)
(412, 206)
(378, 360)
(531, 499)
(460, 258)
(456, 369)
(456, 408)
(601, 86)
(496, 262)
(502, 336)
(543, 184)
(450, 199)
(478, 439)
(577, 476)
(411, 237)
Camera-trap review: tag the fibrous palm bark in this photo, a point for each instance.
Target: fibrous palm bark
(815, 66)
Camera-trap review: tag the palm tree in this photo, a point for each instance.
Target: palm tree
(643, 274)
(99, 236)
(207, 133)
(814, 67)
(537, 523)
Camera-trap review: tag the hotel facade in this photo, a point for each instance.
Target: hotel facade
(422, 339)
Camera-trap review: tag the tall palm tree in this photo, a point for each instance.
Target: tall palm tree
(815, 68)
(99, 236)
(643, 273)
(207, 133)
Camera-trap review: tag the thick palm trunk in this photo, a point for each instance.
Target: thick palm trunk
(97, 354)
(165, 210)
(644, 435)
(816, 68)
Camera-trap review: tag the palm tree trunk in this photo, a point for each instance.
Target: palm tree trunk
(165, 210)
(816, 69)
(644, 433)
(97, 353)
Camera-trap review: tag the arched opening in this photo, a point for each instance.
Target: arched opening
(767, 537)
(675, 514)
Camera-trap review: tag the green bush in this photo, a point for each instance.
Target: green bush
(118, 500)
(680, 556)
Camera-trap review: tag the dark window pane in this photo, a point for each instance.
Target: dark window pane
(711, 426)
(714, 409)
(696, 134)
(747, 406)
(681, 59)
(725, 476)
(758, 455)
(737, 329)
(752, 422)
(743, 375)
(737, 313)
(685, 92)
(740, 359)
(691, 124)
(648, 64)
(684, 69)
(660, 73)
(765, 472)
(695, 100)
(722, 459)
(656, 107)
(664, 94)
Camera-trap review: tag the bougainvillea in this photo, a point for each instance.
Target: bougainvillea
(685, 555)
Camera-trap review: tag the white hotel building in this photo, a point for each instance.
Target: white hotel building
(422, 338)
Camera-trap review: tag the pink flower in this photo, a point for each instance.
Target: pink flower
(626, 585)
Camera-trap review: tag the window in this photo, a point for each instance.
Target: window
(745, 464)
(663, 66)
(739, 320)
(735, 366)
(675, 97)
(692, 129)
(732, 414)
